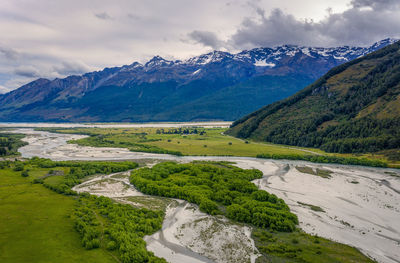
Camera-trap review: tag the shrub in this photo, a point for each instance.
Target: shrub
(19, 166)
(25, 173)
(111, 245)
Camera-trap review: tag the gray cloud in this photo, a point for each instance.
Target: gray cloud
(375, 4)
(365, 22)
(71, 68)
(133, 16)
(103, 16)
(276, 29)
(27, 71)
(9, 53)
(206, 38)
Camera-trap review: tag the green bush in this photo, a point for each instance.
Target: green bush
(25, 173)
(325, 159)
(218, 188)
(18, 166)
(125, 227)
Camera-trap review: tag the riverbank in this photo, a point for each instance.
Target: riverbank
(197, 141)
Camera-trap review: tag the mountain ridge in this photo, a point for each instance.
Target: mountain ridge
(165, 90)
(355, 107)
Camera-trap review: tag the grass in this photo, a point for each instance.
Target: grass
(149, 202)
(301, 247)
(318, 172)
(35, 223)
(312, 207)
(213, 142)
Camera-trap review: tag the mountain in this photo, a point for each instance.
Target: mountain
(213, 86)
(355, 107)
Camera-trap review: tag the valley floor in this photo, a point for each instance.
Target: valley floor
(358, 207)
(355, 205)
(197, 140)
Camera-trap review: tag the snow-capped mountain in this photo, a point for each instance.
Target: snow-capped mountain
(213, 86)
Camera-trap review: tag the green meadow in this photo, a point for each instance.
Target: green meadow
(36, 223)
(211, 142)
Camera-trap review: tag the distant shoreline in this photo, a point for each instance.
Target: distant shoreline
(216, 124)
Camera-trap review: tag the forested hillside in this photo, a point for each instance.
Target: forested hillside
(355, 108)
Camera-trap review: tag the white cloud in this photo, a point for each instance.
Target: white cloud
(71, 68)
(4, 89)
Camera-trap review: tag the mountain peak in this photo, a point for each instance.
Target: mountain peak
(384, 42)
(158, 61)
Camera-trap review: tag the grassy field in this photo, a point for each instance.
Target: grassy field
(212, 142)
(301, 247)
(35, 223)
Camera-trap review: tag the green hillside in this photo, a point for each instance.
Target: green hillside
(354, 108)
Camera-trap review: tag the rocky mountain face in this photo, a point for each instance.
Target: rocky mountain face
(354, 108)
(213, 86)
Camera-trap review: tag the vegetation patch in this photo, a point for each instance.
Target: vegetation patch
(301, 247)
(217, 189)
(149, 202)
(117, 227)
(392, 174)
(326, 159)
(312, 207)
(50, 223)
(77, 171)
(36, 223)
(319, 172)
(9, 144)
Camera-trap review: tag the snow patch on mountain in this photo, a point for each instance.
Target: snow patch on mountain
(263, 63)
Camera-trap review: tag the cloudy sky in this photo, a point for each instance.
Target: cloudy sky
(56, 38)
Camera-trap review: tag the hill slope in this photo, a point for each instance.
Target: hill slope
(355, 107)
(213, 86)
